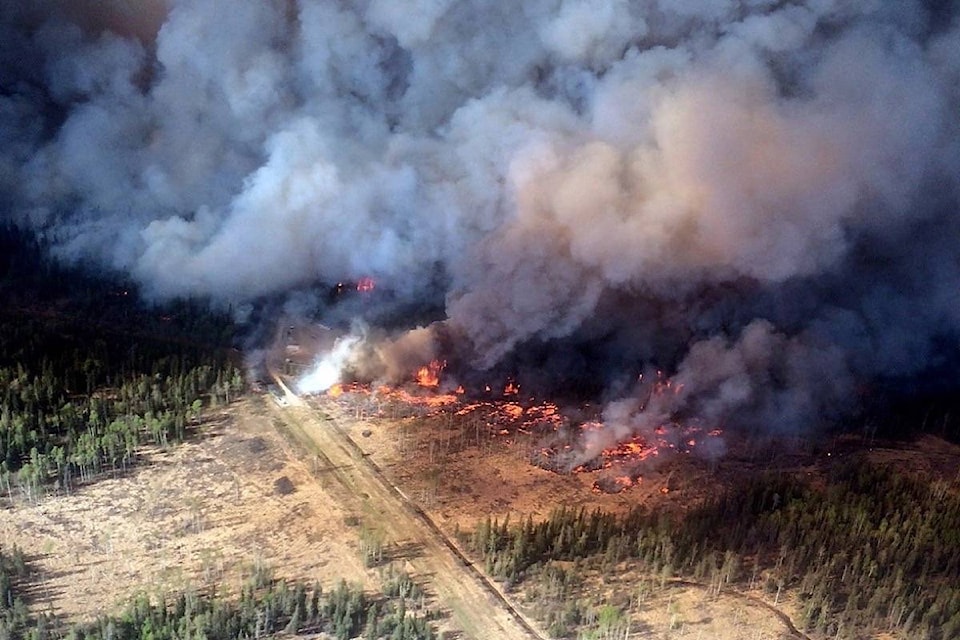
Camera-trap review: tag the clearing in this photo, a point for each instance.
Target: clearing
(206, 514)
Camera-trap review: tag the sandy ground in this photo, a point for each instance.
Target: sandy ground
(204, 513)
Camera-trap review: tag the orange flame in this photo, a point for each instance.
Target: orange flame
(512, 410)
(511, 389)
(366, 284)
(429, 375)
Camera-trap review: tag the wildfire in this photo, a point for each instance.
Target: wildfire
(635, 449)
(429, 375)
(615, 484)
(555, 444)
(512, 410)
(365, 285)
(341, 388)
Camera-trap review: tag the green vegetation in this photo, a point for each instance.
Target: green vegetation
(371, 546)
(87, 375)
(870, 551)
(345, 612)
(13, 610)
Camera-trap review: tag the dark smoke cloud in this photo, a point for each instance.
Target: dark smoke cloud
(758, 195)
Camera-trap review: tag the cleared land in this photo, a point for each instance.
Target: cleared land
(205, 514)
(261, 489)
(475, 608)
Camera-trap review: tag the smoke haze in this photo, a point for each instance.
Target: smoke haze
(758, 196)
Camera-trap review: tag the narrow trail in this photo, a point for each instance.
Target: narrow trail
(779, 613)
(477, 607)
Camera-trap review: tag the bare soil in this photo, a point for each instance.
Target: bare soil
(475, 608)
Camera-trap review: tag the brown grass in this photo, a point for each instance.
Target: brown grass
(200, 515)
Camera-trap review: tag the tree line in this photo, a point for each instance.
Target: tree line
(344, 612)
(88, 375)
(14, 617)
(871, 551)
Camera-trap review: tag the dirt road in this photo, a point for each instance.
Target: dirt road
(476, 608)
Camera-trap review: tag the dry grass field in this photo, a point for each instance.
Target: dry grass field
(203, 515)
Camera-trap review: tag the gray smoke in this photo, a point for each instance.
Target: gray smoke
(759, 195)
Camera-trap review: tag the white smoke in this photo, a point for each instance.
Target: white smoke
(328, 370)
(778, 180)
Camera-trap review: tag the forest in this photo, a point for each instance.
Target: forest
(14, 616)
(871, 550)
(263, 607)
(89, 375)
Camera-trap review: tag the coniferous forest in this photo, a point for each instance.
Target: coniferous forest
(89, 377)
(88, 374)
(873, 550)
(262, 608)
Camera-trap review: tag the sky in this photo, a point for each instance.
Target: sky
(757, 198)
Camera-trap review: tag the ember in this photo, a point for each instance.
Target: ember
(615, 484)
(563, 447)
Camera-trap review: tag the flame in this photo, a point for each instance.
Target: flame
(512, 410)
(634, 450)
(365, 284)
(429, 375)
(506, 419)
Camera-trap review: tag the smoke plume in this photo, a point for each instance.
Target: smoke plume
(758, 196)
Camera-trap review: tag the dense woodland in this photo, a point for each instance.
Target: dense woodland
(872, 550)
(262, 609)
(88, 375)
